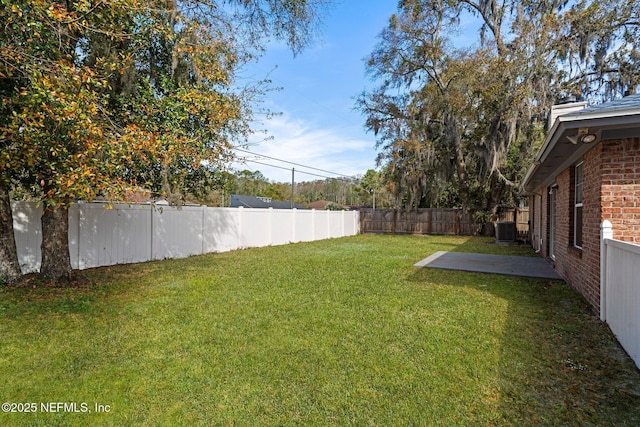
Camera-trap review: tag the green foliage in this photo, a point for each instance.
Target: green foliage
(99, 97)
(337, 332)
(460, 124)
(103, 96)
(215, 187)
(335, 207)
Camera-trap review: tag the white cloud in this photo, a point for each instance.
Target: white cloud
(334, 149)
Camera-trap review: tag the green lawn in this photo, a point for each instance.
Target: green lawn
(337, 332)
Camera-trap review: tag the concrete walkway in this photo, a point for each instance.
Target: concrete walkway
(523, 266)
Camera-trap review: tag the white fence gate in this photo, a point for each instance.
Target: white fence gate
(620, 290)
(137, 233)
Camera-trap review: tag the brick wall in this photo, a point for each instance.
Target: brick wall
(590, 256)
(621, 188)
(580, 267)
(611, 190)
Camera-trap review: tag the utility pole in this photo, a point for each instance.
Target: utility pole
(293, 183)
(373, 191)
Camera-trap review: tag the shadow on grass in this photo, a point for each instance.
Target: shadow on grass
(340, 332)
(29, 301)
(557, 364)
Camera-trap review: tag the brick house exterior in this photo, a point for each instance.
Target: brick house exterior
(587, 171)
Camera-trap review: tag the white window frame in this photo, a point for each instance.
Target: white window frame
(578, 197)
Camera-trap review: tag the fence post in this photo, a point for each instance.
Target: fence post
(152, 208)
(606, 232)
(328, 215)
(240, 225)
(202, 234)
(395, 219)
(270, 225)
(356, 221)
(294, 234)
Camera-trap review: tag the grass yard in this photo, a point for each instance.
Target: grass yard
(337, 332)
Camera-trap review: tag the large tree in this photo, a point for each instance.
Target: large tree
(458, 123)
(108, 95)
(9, 266)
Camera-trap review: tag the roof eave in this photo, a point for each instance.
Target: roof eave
(563, 126)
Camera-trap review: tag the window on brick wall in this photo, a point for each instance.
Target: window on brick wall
(577, 206)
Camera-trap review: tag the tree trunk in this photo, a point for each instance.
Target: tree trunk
(9, 266)
(492, 203)
(56, 262)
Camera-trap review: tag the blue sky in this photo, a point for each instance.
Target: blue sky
(318, 125)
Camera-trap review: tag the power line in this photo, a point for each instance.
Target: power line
(285, 168)
(293, 163)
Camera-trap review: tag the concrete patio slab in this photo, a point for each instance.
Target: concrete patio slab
(523, 266)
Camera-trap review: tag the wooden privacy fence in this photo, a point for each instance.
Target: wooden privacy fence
(436, 221)
(418, 221)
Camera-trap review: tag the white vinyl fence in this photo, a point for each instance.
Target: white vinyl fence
(135, 233)
(620, 290)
